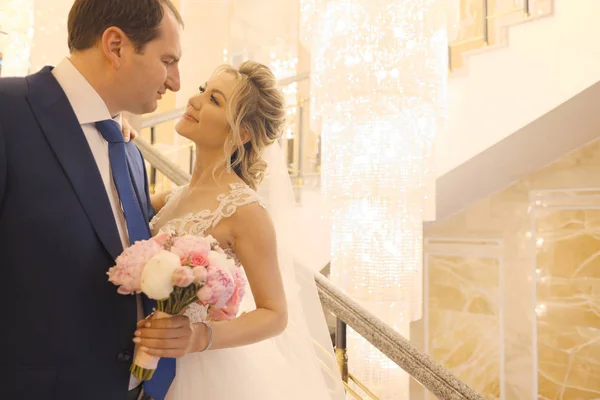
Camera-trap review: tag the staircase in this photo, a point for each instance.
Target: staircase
(535, 68)
(513, 255)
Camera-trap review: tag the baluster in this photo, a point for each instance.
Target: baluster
(152, 169)
(486, 27)
(341, 352)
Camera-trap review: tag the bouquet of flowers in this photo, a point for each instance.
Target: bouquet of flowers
(177, 271)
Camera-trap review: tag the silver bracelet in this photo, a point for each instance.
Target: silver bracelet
(210, 336)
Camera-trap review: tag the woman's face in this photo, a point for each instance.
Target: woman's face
(205, 119)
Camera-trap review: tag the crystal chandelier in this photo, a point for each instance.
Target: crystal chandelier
(379, 74)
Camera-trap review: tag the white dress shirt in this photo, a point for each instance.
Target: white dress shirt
(90, 108)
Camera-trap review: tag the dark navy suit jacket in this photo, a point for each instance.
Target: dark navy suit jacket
(65, 333)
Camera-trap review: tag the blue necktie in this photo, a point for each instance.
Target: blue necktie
(137, 226)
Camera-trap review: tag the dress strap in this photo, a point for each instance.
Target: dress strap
(239, 195)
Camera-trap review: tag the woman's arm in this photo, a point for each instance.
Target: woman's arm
(256, 248)
(159, 200)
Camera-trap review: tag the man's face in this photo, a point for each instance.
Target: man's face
(145, 76)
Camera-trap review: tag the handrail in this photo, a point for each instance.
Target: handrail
(397, 348)
(157, 119)
(162, 163)
(419, 365)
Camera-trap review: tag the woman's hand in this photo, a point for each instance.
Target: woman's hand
(128, 132)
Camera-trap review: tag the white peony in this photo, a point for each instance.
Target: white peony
(157, 282)
(221, 260)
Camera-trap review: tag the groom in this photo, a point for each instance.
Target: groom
(72, 197)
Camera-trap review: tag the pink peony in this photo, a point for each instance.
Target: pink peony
(233, 304)
(127, 272)
(218, 289)
(183, 277)
(205, 295)
(184, 245)
(200, 275)
(198, 259)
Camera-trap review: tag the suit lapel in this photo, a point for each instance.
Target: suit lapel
(61, 127)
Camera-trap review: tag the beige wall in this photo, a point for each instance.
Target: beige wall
(513, 293)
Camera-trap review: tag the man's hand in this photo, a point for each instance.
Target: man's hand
(166, 337)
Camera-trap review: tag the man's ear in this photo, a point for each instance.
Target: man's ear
(112, 42)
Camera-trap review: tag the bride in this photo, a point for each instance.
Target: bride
(278, 346)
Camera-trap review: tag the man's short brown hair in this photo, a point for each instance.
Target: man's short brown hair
(139, 19)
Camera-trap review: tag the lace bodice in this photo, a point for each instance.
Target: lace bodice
(198, 223)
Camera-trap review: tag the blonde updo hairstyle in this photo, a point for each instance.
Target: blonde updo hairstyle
(257, 109)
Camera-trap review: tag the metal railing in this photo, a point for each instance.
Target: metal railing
(341, 355)
(402, 352)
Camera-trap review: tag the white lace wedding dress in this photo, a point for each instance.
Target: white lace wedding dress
(262, 371)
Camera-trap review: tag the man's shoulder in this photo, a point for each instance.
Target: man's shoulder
(13, 87)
